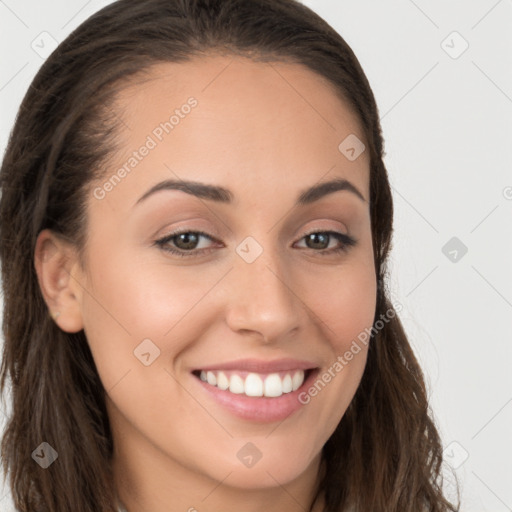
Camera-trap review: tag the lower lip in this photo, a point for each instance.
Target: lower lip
(261, 409)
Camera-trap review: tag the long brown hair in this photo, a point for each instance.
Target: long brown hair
(386, 453)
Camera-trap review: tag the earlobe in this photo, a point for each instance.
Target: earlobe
(55, 261)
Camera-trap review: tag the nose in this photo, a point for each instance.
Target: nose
(261, 298)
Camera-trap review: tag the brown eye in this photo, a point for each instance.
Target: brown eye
(319, 241)
(185, 243)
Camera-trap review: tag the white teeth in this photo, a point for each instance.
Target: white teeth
(254, 384)
(297, 380)
(210, 377)
(287, 383)
(222, 381)
(273, 385)
(236, 384)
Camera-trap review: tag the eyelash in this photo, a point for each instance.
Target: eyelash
(346, 243)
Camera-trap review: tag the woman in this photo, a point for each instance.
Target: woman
(195, 219)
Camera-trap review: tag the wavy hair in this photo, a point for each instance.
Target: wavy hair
(385, 454)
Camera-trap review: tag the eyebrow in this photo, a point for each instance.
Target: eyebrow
(224, 195)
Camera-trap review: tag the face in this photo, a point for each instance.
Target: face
(245, 297)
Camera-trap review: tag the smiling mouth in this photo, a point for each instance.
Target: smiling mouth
(254, 384)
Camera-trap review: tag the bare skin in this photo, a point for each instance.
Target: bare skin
(266, 133)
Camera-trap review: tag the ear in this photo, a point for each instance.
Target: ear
(60, 279)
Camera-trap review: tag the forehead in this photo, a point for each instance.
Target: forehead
(230, 119)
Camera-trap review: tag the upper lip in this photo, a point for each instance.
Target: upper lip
(261, 365)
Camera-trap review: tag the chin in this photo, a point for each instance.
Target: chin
(267, 472)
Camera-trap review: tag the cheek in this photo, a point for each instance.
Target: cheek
(144, 298)
(344, 306)
(136, 301)
(345, 303)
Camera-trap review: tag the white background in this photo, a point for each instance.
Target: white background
(447, 124)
